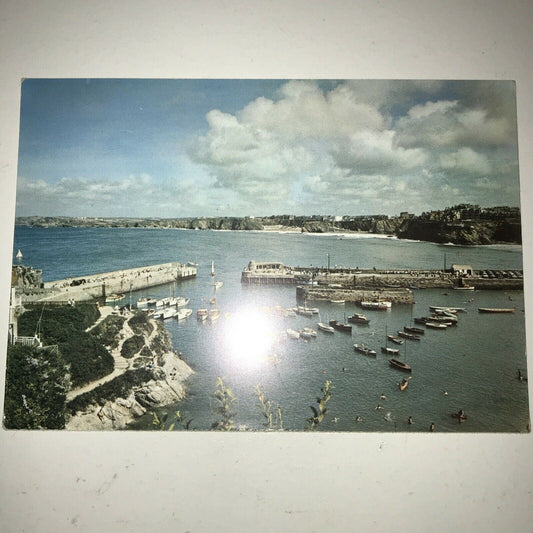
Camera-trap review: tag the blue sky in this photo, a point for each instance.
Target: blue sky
(181, 148)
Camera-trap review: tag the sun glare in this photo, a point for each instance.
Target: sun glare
(248, 338)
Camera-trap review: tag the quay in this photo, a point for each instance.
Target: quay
(456, 277)
(96, 286)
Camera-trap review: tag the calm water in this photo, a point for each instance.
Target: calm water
(476, 363)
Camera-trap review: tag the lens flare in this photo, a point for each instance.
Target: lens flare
(248, 338)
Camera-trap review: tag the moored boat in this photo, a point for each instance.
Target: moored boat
(201, 314)
(403, 384)
(358, 318)
(496, 309)
(347, 328)
(400, 365)
(293, 334)
(361, 348)
(407, 335)
(213, 314)
(412, 329)
(389, 351)
(184, 313)
(394, 339)
(325, 327)
(435, 325)
(114, 298)
(308, 333)
(380, 306)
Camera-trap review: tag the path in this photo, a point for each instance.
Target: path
(121, 364)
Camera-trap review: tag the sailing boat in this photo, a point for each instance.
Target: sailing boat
(385, 349)
(19, 255)
(400, 365)
(216, 284)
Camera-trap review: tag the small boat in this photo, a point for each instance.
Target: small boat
(19, 255)
(182, 314)
(446, 308)
(142, 302)
(496, 309)
(340, 302)
(180, 301)
(358, 318)
(421, 320)
(293, 334)
(464, 288)
(114, 298)
(325, 327)
(400, 365)
(213, 301)
(410, 336)
(201, 314)
(213, 314)
(436, 325)
(403, 384)
(218, 284)
(308, 333)
(340, 326)
(394, 339)
(461, 415)
(168, 312)
(380, 306)
(443, 320)
(163, 302)
(389, 351)
(416, 331)
(304, 312)
(361, 348)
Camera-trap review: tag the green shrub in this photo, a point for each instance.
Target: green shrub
(132, 346)
(140, 323)
(107, 331)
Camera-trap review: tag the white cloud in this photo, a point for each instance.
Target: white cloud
(466, 160)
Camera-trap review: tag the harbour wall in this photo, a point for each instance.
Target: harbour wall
(316, 293)
(119, 281)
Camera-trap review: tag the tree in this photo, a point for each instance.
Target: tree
(37, 382)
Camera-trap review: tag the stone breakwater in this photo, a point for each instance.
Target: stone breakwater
(395, 296)
(119, 281)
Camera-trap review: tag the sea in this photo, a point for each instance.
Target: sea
(473, 367)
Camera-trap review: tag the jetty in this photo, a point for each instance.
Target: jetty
(103, 285)
(455, 277)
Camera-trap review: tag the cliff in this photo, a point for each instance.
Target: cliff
(148, 374)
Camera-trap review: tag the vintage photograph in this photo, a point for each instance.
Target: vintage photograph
(267, 255)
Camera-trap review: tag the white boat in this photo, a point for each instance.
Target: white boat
(168, 312)
(325, 327)
(114, 298)
(340, 302)
(19, 255)
(293, 334)
(308, 333)
(163, 302)
(182, 314)
(145, 302)
(179, 301)
(384, 305)
(216, 284)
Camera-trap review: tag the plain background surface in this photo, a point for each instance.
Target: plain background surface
(203, 482)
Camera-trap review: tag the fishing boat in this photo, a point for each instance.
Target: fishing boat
(400, 365)
(358, 318)
(394, 339)
(347, 328)
(496, 309)
(361, 348)
(407, 335)
(182, 314)
(325, 328)
(412, 329)
(389, 351)
(308, 333)
(380, 306)
(293, 334)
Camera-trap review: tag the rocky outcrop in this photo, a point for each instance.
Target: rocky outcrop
(163, 376)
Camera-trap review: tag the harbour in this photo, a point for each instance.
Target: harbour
(477, 362)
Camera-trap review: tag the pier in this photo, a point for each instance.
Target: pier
(456, 277)
(95, 286)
